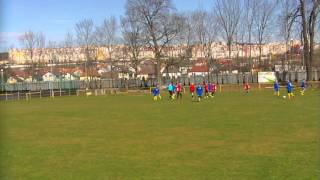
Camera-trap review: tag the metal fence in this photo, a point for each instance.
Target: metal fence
(137, 83)
(241, 78)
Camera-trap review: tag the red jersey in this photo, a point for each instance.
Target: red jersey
(179, 88)
(214, 87)
(246, 86)
(192, 88)
(206, 87)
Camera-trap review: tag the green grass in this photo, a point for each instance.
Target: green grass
(232, 136)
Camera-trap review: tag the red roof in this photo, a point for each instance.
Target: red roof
(200, 65)
(146, 70)
(202, 68)
(21, 73)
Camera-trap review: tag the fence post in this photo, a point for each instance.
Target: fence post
(69, 86)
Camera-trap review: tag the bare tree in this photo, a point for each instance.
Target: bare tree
(186, 36)
(171, 54)
(68, 44)
(317, 33)
(106, 35)
(84, 30)
(132, 34)
(85, 36)
(250, 13)
(288, 13)
(40, 46)
(28, 41)
(52, 51)
(185, 40)
(206, 30)
(228, 15)
(262, 22)
(211, 31)
(159, 25)
(199, 26)
(52, 55)
(309, 11)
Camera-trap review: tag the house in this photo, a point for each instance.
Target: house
(12, 80)
(171, 71)
(70, 77)
(49, 77)
(199, 68)
(146, 70)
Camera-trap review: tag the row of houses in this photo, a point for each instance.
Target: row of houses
(218, 50)
(146, 69)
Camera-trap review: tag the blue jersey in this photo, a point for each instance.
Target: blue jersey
(289, 87)
(210, 87)
(156, 91)
(303, 84)
(199, 90)
(170, 87)
(276, 86)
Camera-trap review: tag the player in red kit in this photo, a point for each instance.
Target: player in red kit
(247, 87)
(192, 89)
(179, 91)
(206, 90)
(214, 89)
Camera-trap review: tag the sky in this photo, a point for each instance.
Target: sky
(57, 17)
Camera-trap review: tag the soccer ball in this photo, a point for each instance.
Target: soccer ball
(284, 97)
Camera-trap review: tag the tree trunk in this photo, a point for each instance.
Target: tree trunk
(312, 24)
(158, 69)
(310, 70)
(32, 64)
(260, 52)
(306, 45)
(136, 69)
(229, 49)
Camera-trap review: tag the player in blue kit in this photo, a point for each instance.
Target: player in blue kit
(210, 89)
(276, 88)
(290, 90)
(199, 92)
(156, 93)
(170, 89)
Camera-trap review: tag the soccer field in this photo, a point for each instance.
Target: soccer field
(231, 136)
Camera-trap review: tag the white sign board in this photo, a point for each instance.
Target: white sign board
(266, 77)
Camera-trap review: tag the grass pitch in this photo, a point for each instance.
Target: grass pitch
(231, 136)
